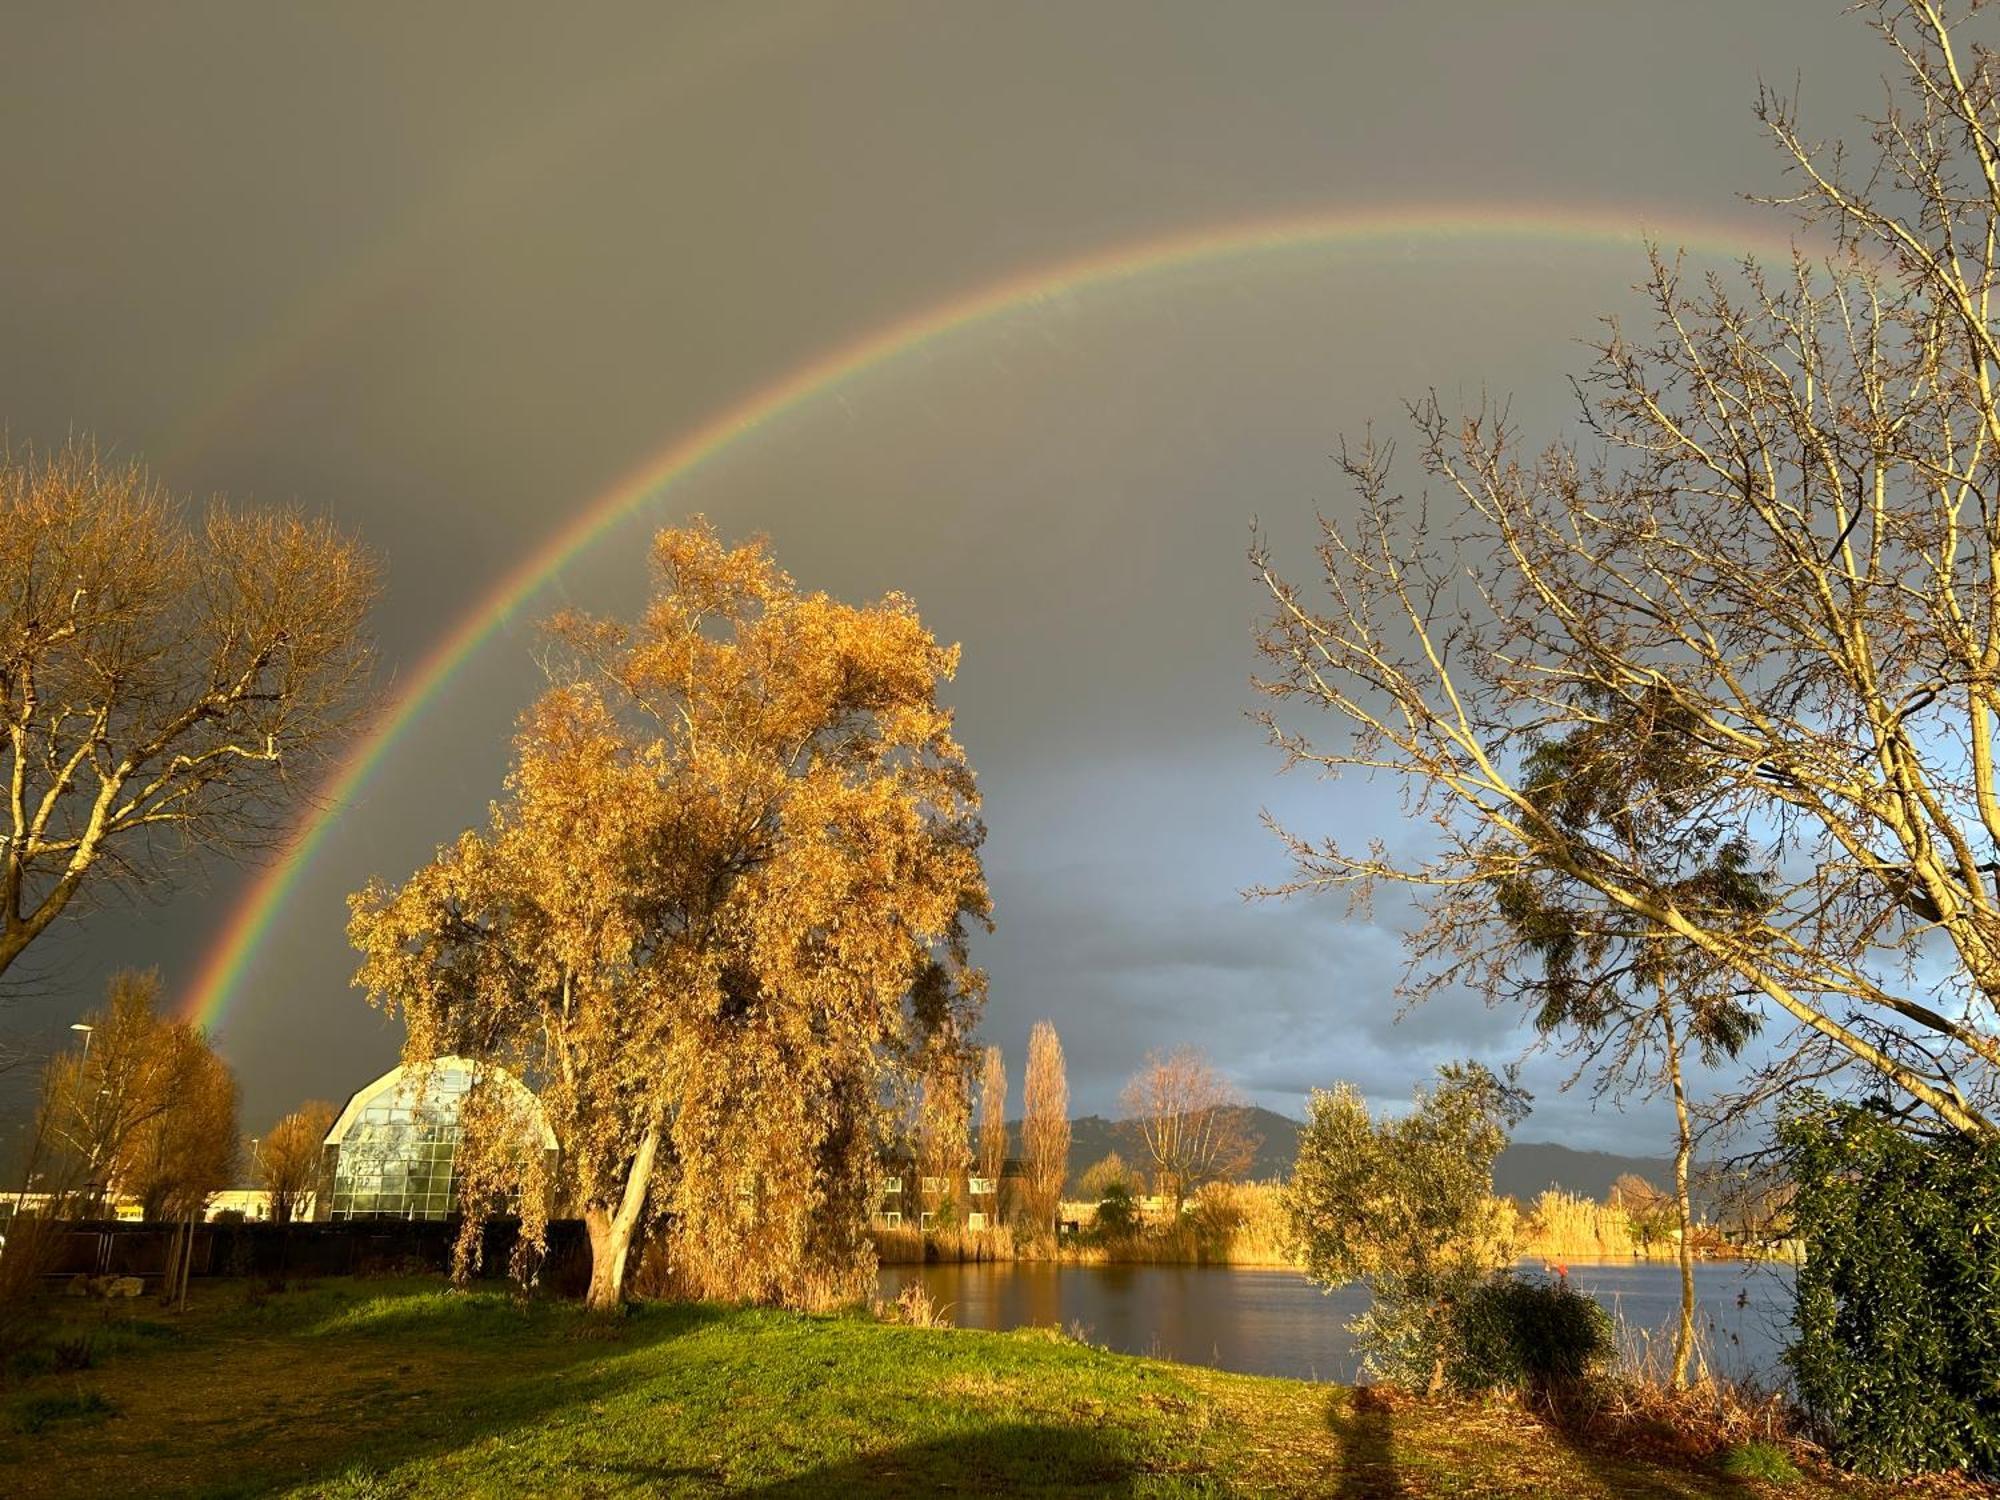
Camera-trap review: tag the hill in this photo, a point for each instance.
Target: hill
(1525, 1168)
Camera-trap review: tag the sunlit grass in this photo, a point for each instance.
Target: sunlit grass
(372, 1390)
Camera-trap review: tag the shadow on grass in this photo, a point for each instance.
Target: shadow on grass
(1365, 1428)
(1631, 1457)
(1016, 1459)
(377, 1386)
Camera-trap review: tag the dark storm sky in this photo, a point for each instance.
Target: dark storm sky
(444, 273)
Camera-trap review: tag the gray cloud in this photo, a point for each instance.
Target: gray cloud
(447, 280)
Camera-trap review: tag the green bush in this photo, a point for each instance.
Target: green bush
(1117, 1213)
(1897, 1355)
(1471, 1333)
(1528, 1333)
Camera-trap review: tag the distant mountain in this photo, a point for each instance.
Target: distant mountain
(1525, 1168)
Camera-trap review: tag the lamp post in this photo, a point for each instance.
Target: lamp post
(86, 1028)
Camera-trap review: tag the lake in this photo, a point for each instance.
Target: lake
(1275, 1322)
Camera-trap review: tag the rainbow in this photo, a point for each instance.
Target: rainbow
(220, 978)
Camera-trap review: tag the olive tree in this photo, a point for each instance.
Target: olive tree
(1405, 1206)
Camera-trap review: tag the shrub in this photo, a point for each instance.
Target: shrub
(1897, 1359)
(1528, 1333)
(1117, 1212)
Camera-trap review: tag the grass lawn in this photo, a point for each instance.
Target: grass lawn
(375, 1389)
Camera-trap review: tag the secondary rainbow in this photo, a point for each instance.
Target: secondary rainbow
(221, 975)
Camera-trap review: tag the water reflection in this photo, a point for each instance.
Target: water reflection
(1268, 1322)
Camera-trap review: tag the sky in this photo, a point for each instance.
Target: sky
(446, 274)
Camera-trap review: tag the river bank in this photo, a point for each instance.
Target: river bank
(358, 1389)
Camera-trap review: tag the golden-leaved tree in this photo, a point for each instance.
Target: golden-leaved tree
(175, 1162)
(993, 1142)
(291, 1160)
(738, 835)
(944, 1124)
(1044, 1127)
(146, 1111)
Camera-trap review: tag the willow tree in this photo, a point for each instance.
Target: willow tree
(738, 836)
(168, 680)
(1787, 530)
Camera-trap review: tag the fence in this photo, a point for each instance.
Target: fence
(354, 1247)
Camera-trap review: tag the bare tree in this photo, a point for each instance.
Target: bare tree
(1191, 1122)
(1789, 537)
(1044, 1126)
(166, 683)
(993, 1143)
(291, 1159)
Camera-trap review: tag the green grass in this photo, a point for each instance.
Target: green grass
(1757, 1459)
(374, 1390)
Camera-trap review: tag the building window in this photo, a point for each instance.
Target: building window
(975, 1220)
(934, 1185)
(892, 1184)
(980, 1187)
(892, 1220)
(927, 1220)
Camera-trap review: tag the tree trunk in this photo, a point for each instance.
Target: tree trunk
(1683, 1203)
(611, 1231)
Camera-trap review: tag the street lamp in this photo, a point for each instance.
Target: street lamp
(86, 1028)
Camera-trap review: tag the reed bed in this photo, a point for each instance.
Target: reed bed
(1568, 1226)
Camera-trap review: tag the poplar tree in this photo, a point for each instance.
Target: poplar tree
(1045, 1126)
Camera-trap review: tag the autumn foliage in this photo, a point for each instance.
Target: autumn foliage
(1045, 1128)
(291, 1159)
(146, 1112)
(737, 839)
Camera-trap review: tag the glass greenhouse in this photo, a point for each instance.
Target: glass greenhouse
(393, 1148)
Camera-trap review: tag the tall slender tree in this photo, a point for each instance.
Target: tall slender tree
(993, 1143)
(944, 1125)
(1045, 1126)
(1631, 994)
